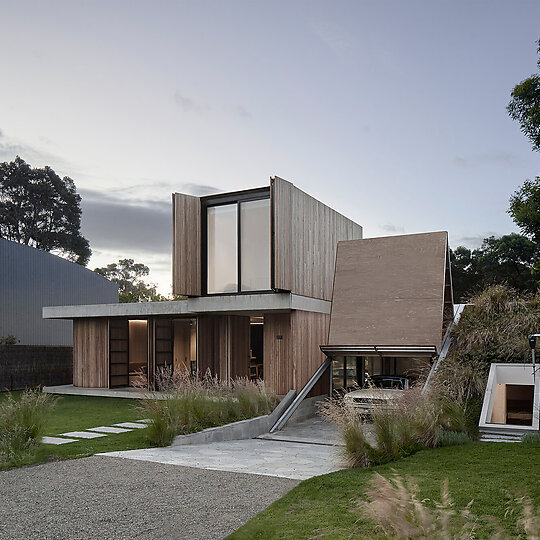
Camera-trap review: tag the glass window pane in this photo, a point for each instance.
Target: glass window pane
(255, 245)
(338, 372)
(222, 240)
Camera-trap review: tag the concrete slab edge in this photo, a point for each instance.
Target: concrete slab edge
(243, 429)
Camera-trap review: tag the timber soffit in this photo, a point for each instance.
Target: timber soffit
(245, 303)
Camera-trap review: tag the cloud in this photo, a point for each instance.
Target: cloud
(500, 158)
(199, 190)
(129, 227)
(392, 228)
(188, 104)
(333, 36)
(473, 242)
(243, 112)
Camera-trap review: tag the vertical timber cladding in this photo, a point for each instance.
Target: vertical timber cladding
(306, 233)
(90, 353)
(119, 352)
(291, 350)
(186, 244)
(223, 345)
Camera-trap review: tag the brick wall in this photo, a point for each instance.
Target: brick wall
(28, 366)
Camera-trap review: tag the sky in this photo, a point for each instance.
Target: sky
(391, 112)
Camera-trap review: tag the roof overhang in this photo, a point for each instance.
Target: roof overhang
(380, 350)
(251, 304)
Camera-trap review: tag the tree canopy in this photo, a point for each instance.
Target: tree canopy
(525, 107)
(131, 287)
(508, 260)
(40, 209)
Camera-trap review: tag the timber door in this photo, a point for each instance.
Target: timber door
(164, 340)
(118, 353)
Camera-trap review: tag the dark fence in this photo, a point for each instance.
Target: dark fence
(27, 366)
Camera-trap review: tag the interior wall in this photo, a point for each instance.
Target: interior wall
(138, 349)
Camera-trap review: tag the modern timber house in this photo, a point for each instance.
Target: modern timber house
(257, 268)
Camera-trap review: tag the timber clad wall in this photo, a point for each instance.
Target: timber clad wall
(90, 353)
(223, 345)
(306, 233)
(186, 245)
(305, 241)
(291, 348)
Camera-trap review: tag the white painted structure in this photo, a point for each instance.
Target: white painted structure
(493, 417)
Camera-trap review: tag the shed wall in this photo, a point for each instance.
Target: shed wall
(30, 279)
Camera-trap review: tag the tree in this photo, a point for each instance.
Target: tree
(131, 287)
(525, 208)
(525, 107)
(509, 259)
(40, 209)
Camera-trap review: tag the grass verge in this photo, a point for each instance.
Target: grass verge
(75, 413)
(326, 506)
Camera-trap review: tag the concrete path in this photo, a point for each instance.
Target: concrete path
(297, 452)
(104, 498)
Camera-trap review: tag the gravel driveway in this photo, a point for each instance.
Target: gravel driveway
(109, 498)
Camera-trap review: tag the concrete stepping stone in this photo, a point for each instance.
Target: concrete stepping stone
(108, 429)
(131, 425)
(56, 440)
(145, 420)
(83, 434)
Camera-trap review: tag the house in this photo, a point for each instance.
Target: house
(257, 268)
(30, 279)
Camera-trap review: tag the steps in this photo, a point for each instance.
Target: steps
(500, 435)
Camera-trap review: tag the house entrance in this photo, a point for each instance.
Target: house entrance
(185, 346)
(128, 351)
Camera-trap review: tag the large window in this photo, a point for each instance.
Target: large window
(255, 245)
(222, 245)
(238, 245)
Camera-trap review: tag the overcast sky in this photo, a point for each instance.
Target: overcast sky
(391, 112)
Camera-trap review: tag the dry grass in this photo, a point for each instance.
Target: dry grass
(495, 328)
(22, 424)
(185, 404)
(415, 423)
(395, 505)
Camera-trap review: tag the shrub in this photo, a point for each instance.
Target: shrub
(22, 424)
(453, 438)
(531, 438)
(185, 404)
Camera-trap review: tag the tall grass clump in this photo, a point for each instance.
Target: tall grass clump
(185, 404)
(23, 422)
(415, 422)
(531, 438)
(396, 506)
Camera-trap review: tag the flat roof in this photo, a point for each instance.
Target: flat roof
(232, 304)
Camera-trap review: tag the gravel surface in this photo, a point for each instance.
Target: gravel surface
(109, 498)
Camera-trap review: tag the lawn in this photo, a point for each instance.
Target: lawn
(81, 412)
(324, 506)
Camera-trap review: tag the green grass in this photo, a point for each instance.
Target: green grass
(75, 413)
(323, 507)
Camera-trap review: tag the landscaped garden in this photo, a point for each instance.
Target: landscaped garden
(491, 475)
(182, 406)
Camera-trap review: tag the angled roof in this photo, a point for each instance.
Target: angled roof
(390, 292)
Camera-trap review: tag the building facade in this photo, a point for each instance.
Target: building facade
(256, 268)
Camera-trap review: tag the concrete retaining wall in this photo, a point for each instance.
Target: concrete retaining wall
(244, 429)
(307, 409)
(27, 366)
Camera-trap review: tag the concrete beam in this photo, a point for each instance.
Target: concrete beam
(239, 303)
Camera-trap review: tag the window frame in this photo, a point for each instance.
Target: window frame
(237, 198)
